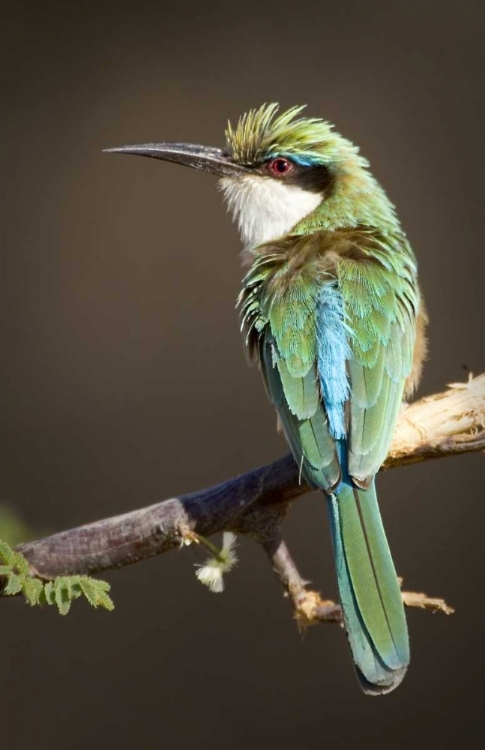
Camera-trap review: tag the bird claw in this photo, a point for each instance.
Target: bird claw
(311, 609)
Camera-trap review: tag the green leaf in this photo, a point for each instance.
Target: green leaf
(105, 600)
(89, 590)
(60, 592)
(6, 553)
(32, 589)
(14, 585)
(96, 592)
(21, 564)
(49, 593)
(63, 599)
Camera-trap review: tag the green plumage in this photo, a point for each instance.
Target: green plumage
(369, 590)
(331, 308)
(280, 313)
(348, 258)
(279, 308)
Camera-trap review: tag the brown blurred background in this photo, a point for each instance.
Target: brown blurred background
(123, 378)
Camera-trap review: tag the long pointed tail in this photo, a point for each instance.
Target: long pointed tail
(369, 590)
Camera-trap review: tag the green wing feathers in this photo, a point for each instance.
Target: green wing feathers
(380, 306)
(280, 318)
(280, 303)
(334, 333)
(303, 418)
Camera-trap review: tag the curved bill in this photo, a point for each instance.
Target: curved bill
(213, 160)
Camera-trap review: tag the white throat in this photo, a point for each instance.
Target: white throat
(266, 209)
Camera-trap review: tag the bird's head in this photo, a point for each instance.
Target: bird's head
(281, 173)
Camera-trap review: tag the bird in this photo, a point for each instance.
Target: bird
(333, 314)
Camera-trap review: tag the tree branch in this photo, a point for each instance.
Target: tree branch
(255, 503)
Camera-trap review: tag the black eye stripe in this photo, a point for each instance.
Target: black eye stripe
(313, 178)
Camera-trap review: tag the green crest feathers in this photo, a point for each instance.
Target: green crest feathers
(261, 133)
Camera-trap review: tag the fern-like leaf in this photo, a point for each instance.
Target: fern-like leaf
(49, 594)
(61, 591)
(6, 553)
(14, 585)
(32, 590)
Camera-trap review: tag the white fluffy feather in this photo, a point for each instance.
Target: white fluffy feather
(265, 209)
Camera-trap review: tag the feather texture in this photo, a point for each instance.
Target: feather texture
(332, 317)
(369, 590)
(330, 307)
(331, 310)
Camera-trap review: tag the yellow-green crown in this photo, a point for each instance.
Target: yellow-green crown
(261, 134)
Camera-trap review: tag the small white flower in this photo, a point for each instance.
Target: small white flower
(210, 575)
(212, 571)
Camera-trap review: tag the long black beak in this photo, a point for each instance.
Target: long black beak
(209, 159)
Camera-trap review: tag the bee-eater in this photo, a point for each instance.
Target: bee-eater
(333, 314)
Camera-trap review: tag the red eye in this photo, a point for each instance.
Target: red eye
(279, 166)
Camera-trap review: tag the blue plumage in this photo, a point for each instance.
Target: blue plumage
(333, 354)
(303, 160)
